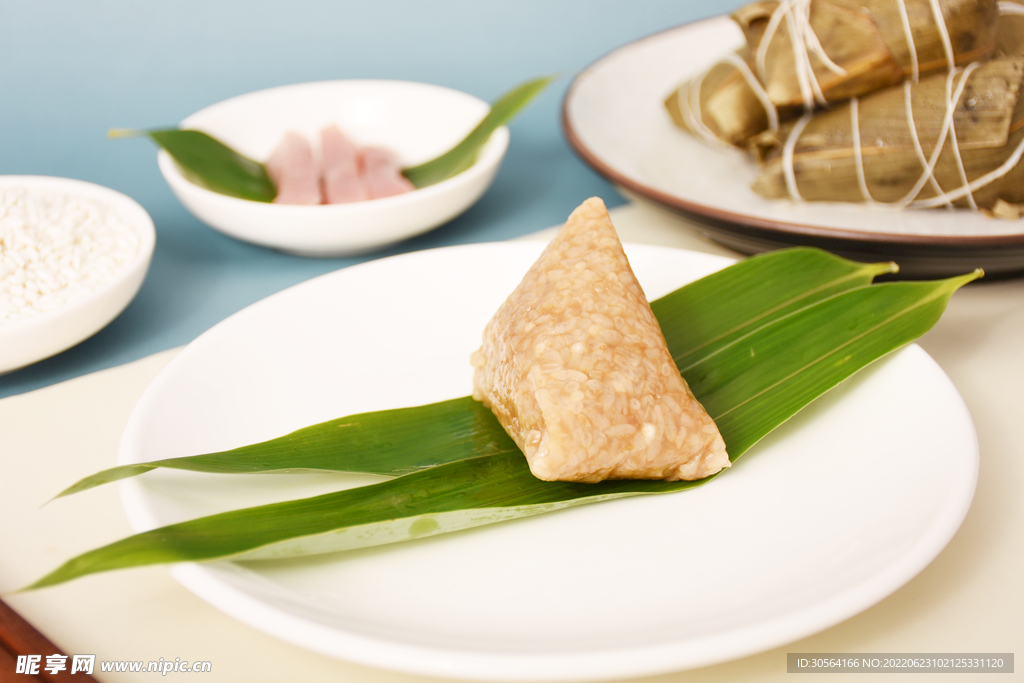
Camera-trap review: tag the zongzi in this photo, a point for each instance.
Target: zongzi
(802, 54)
(577, 371)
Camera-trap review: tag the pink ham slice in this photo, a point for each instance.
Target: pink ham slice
(383, 173)
(342, 181)
(293, 170)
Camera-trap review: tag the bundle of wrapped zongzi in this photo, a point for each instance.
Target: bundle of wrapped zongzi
(801, 54)
(952, 139)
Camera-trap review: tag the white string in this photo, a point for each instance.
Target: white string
(914, 71)
(689, 107)
(942, 197)
(908, 101)
(803, 41)
(787, 157)
(929, 167)
(858, 155)
(947, 122)
(984, 180)
(810, 38)
(801, 60)
(755, 85)
(766, 39)
(940, 23)
(1007, 7)
(951, 109)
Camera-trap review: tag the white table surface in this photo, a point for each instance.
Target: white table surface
(970, 599)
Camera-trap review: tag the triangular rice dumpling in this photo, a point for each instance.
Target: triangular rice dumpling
(576, 369)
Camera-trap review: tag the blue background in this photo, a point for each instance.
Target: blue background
(72, 70)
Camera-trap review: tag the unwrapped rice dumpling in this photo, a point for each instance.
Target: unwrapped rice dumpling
(952, 139)
(803, 54)
(576, 369)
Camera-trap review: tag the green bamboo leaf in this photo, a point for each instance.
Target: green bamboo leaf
(463, 155)
(445, 498)
(210, 163)
(387, 442)
(759, 381)
(697, 320)
(716, 310)
(750, 385)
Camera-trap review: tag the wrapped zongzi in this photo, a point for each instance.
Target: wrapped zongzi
(952, 139)
(801, 54)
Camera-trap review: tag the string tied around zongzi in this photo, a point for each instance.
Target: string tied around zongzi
(804, 55)
(953, 139)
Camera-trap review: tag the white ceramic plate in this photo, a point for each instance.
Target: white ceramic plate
(417, 121)
(614, 118)
(29, 340)
(827, 516)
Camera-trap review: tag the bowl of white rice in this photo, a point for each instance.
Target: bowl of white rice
(72, 256)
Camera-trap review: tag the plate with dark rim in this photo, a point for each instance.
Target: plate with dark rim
(614, 119)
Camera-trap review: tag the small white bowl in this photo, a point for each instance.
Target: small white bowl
(416, 120)
(25, 341)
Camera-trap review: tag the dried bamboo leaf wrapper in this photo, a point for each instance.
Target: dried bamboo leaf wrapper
(1010, 33)
(844, 49)
(576, 369)
(722, 104)
(988, 121)
(730, 110)
(868, 42)
(854, 45)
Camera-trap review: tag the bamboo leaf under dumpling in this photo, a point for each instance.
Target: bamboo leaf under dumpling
(697, 320)
(711, 313)
(386, 442)
(759, 381)
(750, 385)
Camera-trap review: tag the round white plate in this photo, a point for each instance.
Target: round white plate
(827, 516)
(615, 119)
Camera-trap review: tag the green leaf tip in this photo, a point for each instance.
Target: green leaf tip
(387, 443)
(116, 133)
(209, 163)
(773, 333)
(962, 280)
(105, 477)
(464, 154)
